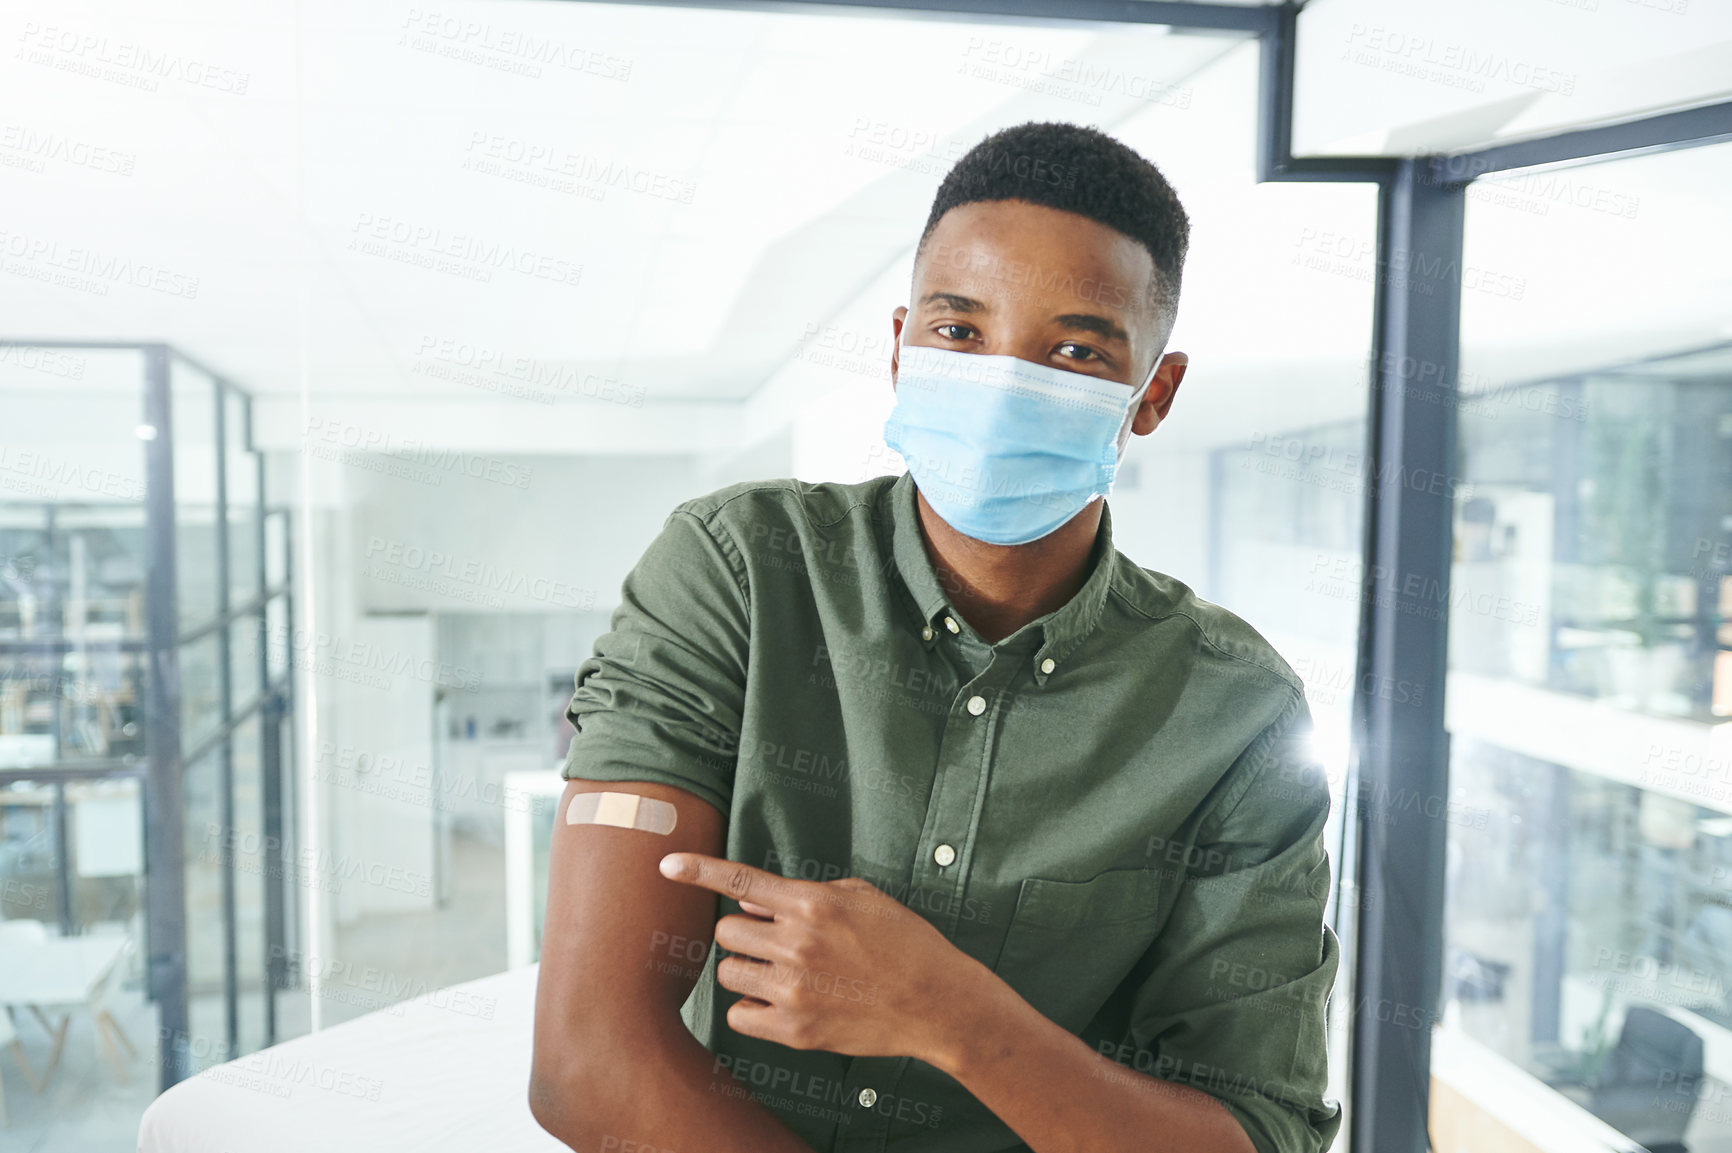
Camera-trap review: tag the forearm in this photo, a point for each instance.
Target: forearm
(1060, 1096)
(663, 1091)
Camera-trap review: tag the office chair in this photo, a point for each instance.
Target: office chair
(1647, 1088)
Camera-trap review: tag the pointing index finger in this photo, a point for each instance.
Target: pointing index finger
(733, 879)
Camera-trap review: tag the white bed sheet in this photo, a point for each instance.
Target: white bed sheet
(447, 1071)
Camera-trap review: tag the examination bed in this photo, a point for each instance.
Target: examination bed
(446, 1071)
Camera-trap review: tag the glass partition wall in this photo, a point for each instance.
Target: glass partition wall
(139, 572)
(1589, 910)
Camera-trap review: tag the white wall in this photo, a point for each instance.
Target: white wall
(564, 542)
(396, 539)
(374, 771)
(371, 850)
(1161, 512)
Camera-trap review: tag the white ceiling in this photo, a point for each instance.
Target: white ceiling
(332, 197)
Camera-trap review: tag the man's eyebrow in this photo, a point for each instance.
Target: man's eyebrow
(955, 301)
(1089, 322)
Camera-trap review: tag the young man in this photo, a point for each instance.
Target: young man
(1015, 845)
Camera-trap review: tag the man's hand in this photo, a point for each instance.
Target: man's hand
(836, 965)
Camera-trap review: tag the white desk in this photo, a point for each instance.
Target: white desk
(66, 973)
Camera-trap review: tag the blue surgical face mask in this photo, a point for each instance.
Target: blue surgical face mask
(1006, 450)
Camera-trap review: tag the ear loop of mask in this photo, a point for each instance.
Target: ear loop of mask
(1136, 403)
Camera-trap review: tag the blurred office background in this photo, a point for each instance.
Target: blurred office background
(355, 351)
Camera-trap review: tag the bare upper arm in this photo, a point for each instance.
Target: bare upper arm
(617, 946)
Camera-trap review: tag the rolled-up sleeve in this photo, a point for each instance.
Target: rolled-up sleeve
(1236, 999)
(661, 697)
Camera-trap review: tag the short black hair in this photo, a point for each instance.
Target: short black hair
(1077, 169)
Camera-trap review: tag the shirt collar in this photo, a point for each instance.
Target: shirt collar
(930, 613)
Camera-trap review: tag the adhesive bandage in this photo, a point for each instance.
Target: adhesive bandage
(623, 811)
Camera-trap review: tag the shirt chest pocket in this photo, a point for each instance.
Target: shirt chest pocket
(1070, 943)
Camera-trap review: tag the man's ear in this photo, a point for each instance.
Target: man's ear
(898, 317)
(1158, 400)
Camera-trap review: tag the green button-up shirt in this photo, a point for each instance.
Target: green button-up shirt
(1115, 808)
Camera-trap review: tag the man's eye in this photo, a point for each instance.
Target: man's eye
(963, 327)
(1080, 349)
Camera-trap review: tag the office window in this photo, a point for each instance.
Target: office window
(193, 395)
(207, 850)
(255, 869)
(241, 472)
(1589, 922)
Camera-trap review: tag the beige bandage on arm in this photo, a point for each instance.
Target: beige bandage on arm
(623, 811)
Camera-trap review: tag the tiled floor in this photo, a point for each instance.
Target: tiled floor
(85, 1109)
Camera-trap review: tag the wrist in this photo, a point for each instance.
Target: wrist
(971, 1010)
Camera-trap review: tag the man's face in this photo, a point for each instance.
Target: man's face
(1007, 277)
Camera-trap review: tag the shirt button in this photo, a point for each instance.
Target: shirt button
(944, 855)
(925, 632)
(950, 623)
(868, 1097)
(977, 705)
(1047, 665)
